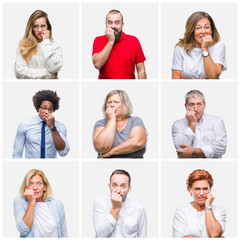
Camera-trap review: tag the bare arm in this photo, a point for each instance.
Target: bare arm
(141, 71)
(176, 74)
(99, 59)
(187, 151)
(103, 137)
(137, 141)
(212, 70)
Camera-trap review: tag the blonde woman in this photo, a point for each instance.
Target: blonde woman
(199, 54)
(38, 56)
(36, 213)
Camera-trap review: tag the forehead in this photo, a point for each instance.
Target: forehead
(195, 100)
(40, 20)
(119, 179)
(200, 184)
(36, 178)
(114, 97)
(203, 21)
(47, 103)
(114, 17)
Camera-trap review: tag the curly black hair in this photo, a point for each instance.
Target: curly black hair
(46, 95)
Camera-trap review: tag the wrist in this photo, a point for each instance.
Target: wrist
(208, 207)
(204, 49)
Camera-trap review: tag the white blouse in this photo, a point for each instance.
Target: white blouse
(192, 65)
(45, 64)
(45, 223)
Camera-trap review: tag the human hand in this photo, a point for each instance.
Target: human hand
(45, 34)
(207, 40)
(29, 194)
(110, 34)
(186, 152)
(191, 117)
(50, 120)
(116, 199)
(111, 113)
(210, 199)
(106, 155)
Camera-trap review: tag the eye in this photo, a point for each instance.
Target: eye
(39, 184)
(30, 184)
(109, 22)
(117, 22)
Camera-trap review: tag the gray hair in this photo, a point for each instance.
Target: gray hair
(127, 105)
(194, 94)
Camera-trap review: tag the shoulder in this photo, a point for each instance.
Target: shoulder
(182, 121)
(181, 209)
(218, 208)
(100, 38)
(180, 49)
(24, 123)
(135, 204)
(219, 45)
(20, 201)
(100, 123)
(55, 202)
(59, 124)
(136, 121)
(131, 38)
(212, 117)
(102, 200)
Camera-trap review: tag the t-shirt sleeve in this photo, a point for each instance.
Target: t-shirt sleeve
(177, 61)
(137, 121)
(98, 45)
(219, 54)
(179, 227)
(100, 123)
(220, 215)
(140, 57)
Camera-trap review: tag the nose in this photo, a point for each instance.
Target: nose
(118, 189)
(195, 107)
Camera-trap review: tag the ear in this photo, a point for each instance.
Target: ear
(185, 106)
(122, 23)
(204, 105)
(109, 186)
(129, 189)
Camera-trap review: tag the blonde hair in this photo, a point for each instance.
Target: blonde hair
(28, 44)
(188, 41)
(47, 194)
(127, 105)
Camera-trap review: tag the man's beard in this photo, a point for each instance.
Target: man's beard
(118, 35)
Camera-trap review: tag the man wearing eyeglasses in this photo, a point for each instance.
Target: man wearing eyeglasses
(116, 54)
(42, 136)
(117, 215)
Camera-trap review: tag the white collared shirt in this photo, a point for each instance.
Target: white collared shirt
(210, 135)
(131, 222)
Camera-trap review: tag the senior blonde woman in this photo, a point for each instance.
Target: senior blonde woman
(38, 56)
(199, 54)
(119, 135)
(199, 218)
(36, 213)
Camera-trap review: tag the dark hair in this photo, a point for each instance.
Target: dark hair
(46, 95)
(197, 175)
(120, 171)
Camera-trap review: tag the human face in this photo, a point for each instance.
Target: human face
(45, 109)
(202, 29)
(196, 105)
(38, 187)
(199, 191)
(40, 25)
(114, 21)
(120, 184)
(115, 102)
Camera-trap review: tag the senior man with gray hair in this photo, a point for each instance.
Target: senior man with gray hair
(199, 135)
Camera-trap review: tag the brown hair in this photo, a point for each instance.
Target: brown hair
(197, 175)
(123, 172)
(188, 41)
(114, 11)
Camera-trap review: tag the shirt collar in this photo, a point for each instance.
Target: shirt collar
(202, 118)
(39, 118)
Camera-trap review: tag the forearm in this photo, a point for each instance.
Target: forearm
(29, 214)
(59, 143)
(213, 227)
(103, 141)
(115, 212)
(200, 153)
(141, 71)
(176, 74)
(129, 146)
(210, 68)
(101, 58)
(189, 236)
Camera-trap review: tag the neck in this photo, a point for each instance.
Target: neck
(198, 207)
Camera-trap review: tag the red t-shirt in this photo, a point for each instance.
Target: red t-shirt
(125, 53)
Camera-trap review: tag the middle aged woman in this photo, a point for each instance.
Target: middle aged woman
(200, 218)
(38, 56)
(119, 135)
(36, 213)
(199, 54)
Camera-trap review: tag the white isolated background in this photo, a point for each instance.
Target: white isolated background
(173, 20)
(18, 106)
(139, 19)
(221, 100)
(144, 98)
(144, 181)
(64, 18)
(174, 191)
(64, 180)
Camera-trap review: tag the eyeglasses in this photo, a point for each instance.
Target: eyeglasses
(200, 29)
(45, 108)
(36, 27)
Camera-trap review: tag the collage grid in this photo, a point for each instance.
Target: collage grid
(159, 179)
